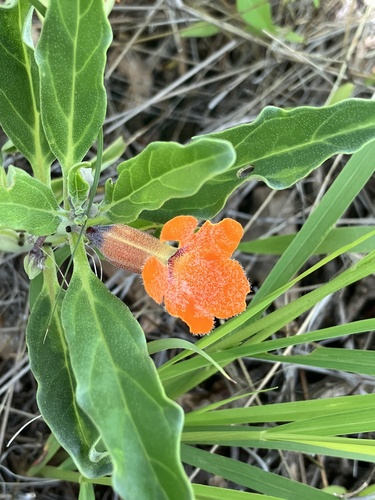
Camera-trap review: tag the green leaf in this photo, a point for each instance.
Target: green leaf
(19, 87)
(71, 57)
(169, 374)
(352, 421)
(110, 155)
(118, 387)
(239, 329)
(250, 476)
(335, 239)
(258, 437)
(164, 344)
(86, 491)
(343, 92)
(345, 360)
(298, 411)
(163, 171)
(50, 364)
(256, 14)
(340, 195)
(285, 146)
(12, 241)
(212, 493)
(200, 29)
(80, 180)
(280, 147)
(291, 36)
(27, 204)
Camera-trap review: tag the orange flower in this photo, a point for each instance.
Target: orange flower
(200, 281)
(197, 282)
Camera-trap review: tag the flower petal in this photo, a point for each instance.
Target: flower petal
(180, 229)
(199, 290)
(155, 279)
(220, 240)
(199, 323)
(228, 288)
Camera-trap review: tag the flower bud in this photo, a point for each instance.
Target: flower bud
(127, 247)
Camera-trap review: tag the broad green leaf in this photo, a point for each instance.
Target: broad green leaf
(50, 364)
(285, 146)
(164, 170)
(71, 57)
(118, 387)
(27, 204)
(19, 87)
(280, 147)
(250, 476)
(335, 239)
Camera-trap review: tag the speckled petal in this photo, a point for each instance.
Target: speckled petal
(179, 229)
(155, 279)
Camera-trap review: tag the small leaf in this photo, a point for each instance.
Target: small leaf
(345, 91)
(280, 147)
(291, 36)
(80, 180)
(27, 204)
(19, 87)
(161, 172)
(256, 14)
(50, 364)
(110, 155)
(118, 387)
(200, 29)
(71, 57)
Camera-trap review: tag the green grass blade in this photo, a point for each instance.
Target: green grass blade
(250, 476)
